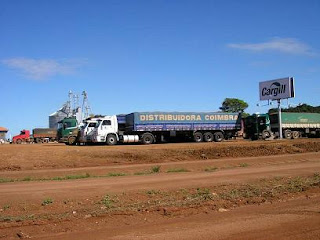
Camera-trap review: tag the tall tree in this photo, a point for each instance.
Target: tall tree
(233, 105)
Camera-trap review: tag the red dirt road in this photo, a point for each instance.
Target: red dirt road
(292, 220)
(85, 188)
(164, 204)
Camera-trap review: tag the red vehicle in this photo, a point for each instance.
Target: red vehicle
(39, 135)
(24, 136)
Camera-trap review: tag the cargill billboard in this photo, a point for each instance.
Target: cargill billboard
(277, 89)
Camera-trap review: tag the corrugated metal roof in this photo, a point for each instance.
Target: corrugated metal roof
(2, 129)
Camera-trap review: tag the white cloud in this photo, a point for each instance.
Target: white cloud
(42, 69)
(285, 45)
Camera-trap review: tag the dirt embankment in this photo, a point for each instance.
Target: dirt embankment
(55, 156)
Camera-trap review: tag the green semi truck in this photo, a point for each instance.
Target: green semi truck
(68, 130)
(294, 125)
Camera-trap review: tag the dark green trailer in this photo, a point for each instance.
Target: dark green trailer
(294, 125)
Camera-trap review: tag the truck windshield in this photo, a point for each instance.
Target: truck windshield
(68, 124)
(93, 124)
(83, 126)
(98, 123)
(261, 120)
(274, 118)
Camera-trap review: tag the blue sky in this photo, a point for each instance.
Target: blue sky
(170, 55)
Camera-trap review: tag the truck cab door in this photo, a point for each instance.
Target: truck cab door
(262, 124)
(107, 127)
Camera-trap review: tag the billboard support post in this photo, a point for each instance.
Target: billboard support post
(279, 119)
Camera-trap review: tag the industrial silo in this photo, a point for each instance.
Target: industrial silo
(56, 117)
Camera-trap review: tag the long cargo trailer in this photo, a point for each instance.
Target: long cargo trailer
(181, 121)
(150, 127)
(295, 125)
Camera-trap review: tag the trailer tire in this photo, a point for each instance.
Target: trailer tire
(295, 134)
(208, 137)
(198, 137)
(19, 141)
(287, 134)
(266, 134)
(111, 139)
(218, 136)
(147, 138)
(38, 140)
(72, 140)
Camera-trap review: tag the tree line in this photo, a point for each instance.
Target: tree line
(238, 105)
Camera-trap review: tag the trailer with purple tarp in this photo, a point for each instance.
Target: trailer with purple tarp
(199, 126)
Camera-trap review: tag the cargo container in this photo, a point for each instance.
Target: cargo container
(150, 127)
(294, 125)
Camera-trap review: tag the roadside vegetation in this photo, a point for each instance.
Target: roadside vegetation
(177, 170)
(152, 170)
(221, 198)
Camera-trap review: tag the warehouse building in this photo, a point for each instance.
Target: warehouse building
(3, 132)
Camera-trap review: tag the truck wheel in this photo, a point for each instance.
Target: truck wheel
(287, 134)
(198, 137)
(111, 139)
(147, 138)
(295, 134)
(218, 136)
(266, 134)
(38, 140)
(19, 141)
(71, 140)
(208, 137)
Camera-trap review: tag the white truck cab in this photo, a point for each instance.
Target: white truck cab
(106, 130)
(86, 130)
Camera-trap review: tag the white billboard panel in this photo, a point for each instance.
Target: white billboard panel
(277, 89)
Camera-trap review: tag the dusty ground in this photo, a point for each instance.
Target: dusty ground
(230, 190)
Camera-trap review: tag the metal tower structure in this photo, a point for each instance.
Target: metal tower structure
(75, 103)
(85, 105)
(69, 104)
(71, 108)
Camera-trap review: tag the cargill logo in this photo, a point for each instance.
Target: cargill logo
(274, 89)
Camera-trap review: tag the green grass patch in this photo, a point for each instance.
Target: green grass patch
(87, 175)
(116, 174)
(26, 179)
(16, 218)
(155, 169)
(243, 165)
(6, 207)
(211, 169)
(203, 194)
(6, 180)
(142, 173)
(153, 192)
(175, 170)
(47, 201)
(68, 177)
(107, 201)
